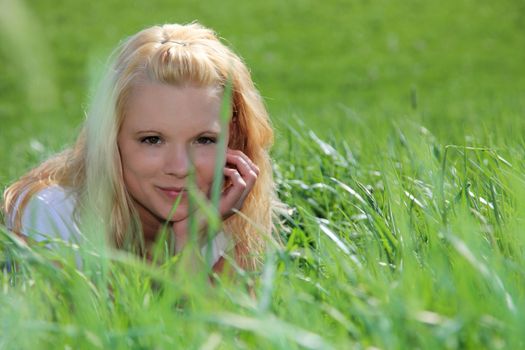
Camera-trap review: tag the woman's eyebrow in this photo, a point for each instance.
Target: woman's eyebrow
(147, 131)
(210, 131)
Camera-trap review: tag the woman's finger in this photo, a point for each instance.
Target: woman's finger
(239, 155)
(242, 174)
(237, 183)
(246, 170)
(233, 196)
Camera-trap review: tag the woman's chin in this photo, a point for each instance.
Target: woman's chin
(178, 216)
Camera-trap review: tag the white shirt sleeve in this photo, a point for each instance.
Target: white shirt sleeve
(219, 246)
(49, 214)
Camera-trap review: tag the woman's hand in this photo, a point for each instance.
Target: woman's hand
(240, 175)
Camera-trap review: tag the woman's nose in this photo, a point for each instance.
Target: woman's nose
(177, 162)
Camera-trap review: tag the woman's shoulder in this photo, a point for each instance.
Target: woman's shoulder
(53, 195)
(49, 213)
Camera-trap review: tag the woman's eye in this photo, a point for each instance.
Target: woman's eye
(151, 140)
(206, 140)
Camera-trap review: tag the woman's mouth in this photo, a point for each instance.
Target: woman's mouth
(173, 192)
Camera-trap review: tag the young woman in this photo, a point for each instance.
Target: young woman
(155, 119)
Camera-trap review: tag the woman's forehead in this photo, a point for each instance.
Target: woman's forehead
(156, 105)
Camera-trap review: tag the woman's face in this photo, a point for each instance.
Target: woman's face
(164, 129)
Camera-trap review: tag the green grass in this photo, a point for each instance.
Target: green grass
(399, 153)
(404, 250)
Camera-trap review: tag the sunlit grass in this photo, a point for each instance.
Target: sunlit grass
(403, 250)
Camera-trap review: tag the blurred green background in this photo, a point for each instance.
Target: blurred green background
(454, 67)
(374, 103)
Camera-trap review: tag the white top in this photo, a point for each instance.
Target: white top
(49, 214)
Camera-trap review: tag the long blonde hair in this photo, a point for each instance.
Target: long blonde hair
(169, 54)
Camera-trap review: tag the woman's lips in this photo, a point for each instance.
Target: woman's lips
(173, 192)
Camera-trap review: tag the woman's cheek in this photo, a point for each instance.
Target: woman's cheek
(205, 160)
(146, 161)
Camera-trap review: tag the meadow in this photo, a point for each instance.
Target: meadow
(399, 153)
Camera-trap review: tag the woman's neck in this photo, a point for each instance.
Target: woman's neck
(151, 224)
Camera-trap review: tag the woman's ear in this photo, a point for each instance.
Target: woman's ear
(238, 134)
(233, 131)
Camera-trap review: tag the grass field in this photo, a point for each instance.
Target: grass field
(399, 151)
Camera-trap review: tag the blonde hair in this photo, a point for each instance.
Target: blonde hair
(169, 54)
